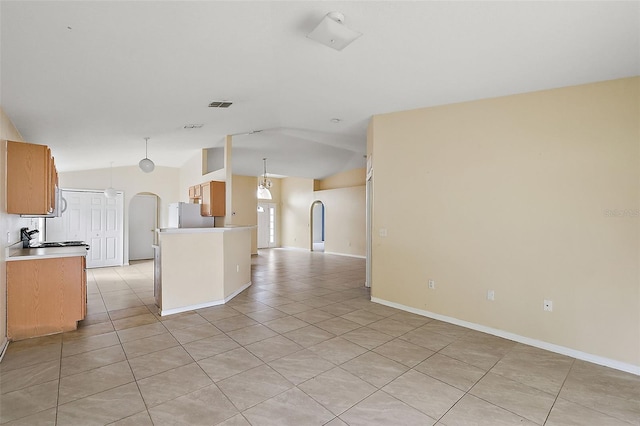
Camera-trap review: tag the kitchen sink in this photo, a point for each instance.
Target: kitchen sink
(60, 244)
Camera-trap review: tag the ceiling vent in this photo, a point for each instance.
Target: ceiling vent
(193, 126)
(220, 104)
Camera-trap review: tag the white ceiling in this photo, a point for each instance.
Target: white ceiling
(92, 79)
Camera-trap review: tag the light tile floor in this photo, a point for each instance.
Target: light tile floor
(302, 346)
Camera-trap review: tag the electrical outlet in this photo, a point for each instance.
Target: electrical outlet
(491, 295)
(432, 284)
(383, 232)
(547, 305)
(8, 237)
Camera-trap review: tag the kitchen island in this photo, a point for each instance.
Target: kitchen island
(200, 267)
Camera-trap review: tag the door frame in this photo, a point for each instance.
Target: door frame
(156, 219)
(311, 226)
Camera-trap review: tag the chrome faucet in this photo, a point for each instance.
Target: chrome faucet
(26, 236)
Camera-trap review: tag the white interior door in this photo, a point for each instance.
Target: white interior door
(95, 219)
(143, 214)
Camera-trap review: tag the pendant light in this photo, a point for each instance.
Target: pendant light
(264, 184)
(146, 165)
(110, 192)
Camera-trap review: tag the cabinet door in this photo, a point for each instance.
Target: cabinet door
(29, 178)
(83, 288)
(218, 198)
(205, 206)
(44, 296)
(53, 176)
(213, 199)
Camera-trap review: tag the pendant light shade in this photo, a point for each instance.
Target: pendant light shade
(110, 192)
(264, 184)
(146, 165)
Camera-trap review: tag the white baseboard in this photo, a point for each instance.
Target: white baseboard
(584, 356)
(206, 304)
(346, 255)
(325, 252)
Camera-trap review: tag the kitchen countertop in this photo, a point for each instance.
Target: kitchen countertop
(203, 230)
(18, 253)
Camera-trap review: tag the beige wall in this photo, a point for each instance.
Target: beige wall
(9, 223)
(344, 220)
(353, 177)
(296, 198)
(237, 263)
(163, 181)
(514, 194)
(244, 205)
(191, 174)
(344, 214)
(202, 268)
(193, 269)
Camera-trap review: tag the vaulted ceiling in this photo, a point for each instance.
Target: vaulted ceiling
(91, 79)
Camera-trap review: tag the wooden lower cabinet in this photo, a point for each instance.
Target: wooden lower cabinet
(45, 296)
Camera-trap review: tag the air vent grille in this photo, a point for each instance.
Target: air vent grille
(220, 104)
(193, 126)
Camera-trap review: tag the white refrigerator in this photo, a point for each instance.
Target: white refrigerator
(187, 215)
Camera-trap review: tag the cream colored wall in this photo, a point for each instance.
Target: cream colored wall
(344, 215)
(237, 262)
(163, 181)
(534, 196)
(10, 224)
(245, 205)
(201, 268)
(344, 220)
(296, 198)
(193, 268)
(191, 174)
(355, 177)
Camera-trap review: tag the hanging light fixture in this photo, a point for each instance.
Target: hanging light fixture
(110, 192)
(145, 164)
(264, 184)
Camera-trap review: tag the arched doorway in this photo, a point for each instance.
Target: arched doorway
(317, 226)
(143, 221)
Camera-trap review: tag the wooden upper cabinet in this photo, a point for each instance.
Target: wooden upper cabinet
(31, 179)
(195, 192)
(213, 199)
